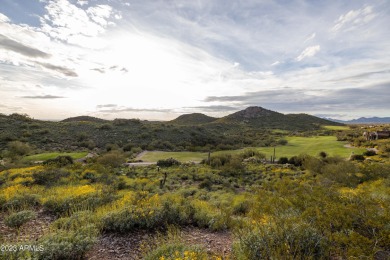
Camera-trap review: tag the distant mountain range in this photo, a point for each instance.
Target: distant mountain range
(363, 120)
(249, 127)
(252, 116)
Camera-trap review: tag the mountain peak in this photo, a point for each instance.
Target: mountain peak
(193, 119)
(254, 112)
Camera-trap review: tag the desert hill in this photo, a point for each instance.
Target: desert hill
(193, 119)
(251, 127)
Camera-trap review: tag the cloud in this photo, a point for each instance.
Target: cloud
(106, 105)
(63, 70)
(362, 76)
(311, 37)
(331, 115)
(67, 22)
(308, 52)
(225, 98)
(43, 97)
(213, 108)
(353, 19)
(101, 70)
(18, 47)
(10, 108)
(82, 2)
(3, 18)
(131, 109)
(369, 97)
(112, 69)
(100, 14)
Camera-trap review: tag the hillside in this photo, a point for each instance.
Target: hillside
(252, 114)
(193, 119)
(84, 119)
(309, 119)
(250, 127)
(259, 117)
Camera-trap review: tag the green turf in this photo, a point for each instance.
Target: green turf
(47, 156)
(181, 156)
(296, 145)
(312, 146)
(336, 127)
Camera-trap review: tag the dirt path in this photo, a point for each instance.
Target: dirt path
(127, 246)
(139, 156)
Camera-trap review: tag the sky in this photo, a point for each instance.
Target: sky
(158, 59)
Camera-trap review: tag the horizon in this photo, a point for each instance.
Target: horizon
(156, 120)
(155, 61)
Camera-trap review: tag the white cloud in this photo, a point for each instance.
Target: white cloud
(67, 22)
(3, 18)
(82, 2)
(311, 37)
(308, 52)
(100, 14)
(353, 19)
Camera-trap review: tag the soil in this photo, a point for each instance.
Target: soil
(127, 246)
(114, 245)
(30, 231)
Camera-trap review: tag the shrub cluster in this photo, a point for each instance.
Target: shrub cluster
(168, 162)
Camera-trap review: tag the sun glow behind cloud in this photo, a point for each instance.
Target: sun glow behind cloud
(145, 71)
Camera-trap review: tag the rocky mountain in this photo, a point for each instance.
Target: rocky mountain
(193, 119)
(264, 118)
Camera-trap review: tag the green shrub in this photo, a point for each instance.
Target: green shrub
(343, 173)
(241, 205)
(60, 206)
(283, 142)
(18, 148)
(219, 160)
(3, 201)
(296, 160)
(206, 184)
(176, 210)
(131, 218)
(283, 240)
(357, 157)
(112, 159)
(207, 216)
(283, 160)
(59, 161)
(15, 220)
(323, 154)
(68, 244)
(167, 162)
(248, 153)
(75, 221)
(49, 176)
(369, 153)
(22, 201)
